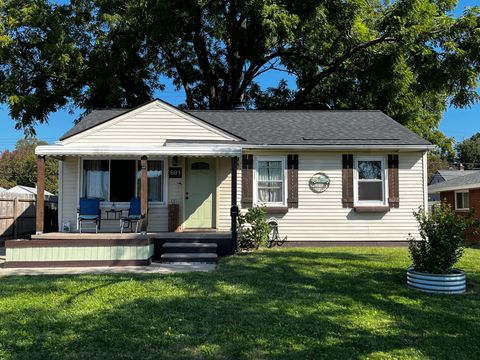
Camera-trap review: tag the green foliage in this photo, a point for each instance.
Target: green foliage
(468, 151)
(19, 167)
(409, 58)
(443, 236)
(253, 228)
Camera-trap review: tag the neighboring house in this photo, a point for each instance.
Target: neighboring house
(445, 175)
(20, 189)
(449, 174)
(461, 192)
(341, 176)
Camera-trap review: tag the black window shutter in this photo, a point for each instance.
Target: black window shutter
(393, 183)
(347, 180)
(247, 181)
(292, 180)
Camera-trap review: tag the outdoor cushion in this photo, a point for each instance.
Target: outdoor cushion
(132, 217)
(88, 217)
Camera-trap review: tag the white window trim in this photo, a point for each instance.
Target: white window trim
(256, 159)
(462, 192)
(123, 204)
(384, 180)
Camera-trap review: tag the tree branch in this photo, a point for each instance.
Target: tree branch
(335, 66)
(183, 77)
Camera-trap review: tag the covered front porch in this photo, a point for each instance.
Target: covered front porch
(187, 197)
(179, 188)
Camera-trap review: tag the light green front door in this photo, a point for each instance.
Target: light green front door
(199, 193)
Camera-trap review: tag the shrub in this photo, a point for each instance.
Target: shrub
(443, 236)
(253, 228)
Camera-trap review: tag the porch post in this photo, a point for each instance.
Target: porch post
(234, 208)
(40, 205)
(144, 193)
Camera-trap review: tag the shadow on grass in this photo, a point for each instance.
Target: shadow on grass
(276, 304)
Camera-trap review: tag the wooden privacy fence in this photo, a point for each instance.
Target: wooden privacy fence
(17, 215)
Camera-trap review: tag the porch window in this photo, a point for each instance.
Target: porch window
(96, 179)
(156, 180)
(270, 181)
(119, 180)
(462, 201)
(122, 180)
(370, 181)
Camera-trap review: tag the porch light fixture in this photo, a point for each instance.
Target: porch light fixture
(175, 160)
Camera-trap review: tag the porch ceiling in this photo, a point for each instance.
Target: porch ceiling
(178, 150)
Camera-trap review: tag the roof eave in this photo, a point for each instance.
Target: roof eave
(411, 147)
(453, 188)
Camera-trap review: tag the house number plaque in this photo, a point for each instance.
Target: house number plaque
(319, 182)
(175, 172)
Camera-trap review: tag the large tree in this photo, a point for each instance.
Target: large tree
(19, 167)
(468, 152)
(409, 58)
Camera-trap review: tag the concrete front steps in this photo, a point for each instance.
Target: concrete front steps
(189, 251)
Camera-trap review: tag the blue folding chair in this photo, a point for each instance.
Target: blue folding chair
(89, 211)
(134, 216)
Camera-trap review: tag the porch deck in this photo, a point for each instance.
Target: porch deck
(126, 236)
(58, 249)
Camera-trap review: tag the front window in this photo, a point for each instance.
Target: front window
(370, 181)
(119, 180)
(270, 182)
(462, 201)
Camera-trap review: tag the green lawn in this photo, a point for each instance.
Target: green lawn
(303, 304)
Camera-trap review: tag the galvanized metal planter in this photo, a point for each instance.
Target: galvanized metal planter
(453, 283)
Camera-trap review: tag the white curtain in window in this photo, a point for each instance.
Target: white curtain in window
(95, 179)
(270, 182)
(155, 180)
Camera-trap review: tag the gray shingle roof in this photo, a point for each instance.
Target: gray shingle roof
(458, 182)
(291, 127)
(312, 127)
(451, 174)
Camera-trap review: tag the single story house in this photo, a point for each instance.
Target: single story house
(21, 189)
(327, 176)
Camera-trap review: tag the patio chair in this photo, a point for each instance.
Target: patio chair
(89, 211)
(134, 216)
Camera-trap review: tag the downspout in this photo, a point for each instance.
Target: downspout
(424, 180)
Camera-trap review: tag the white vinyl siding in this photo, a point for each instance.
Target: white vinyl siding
(151, 126)
(224, 200)
(69, 192)
(321, 217)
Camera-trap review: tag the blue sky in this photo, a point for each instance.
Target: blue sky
(457, 123)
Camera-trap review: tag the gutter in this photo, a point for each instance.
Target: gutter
(341, 147)
(454, 188)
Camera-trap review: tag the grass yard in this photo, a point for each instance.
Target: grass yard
(337, 303)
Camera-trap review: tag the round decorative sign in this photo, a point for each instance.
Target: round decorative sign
(319, 182)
